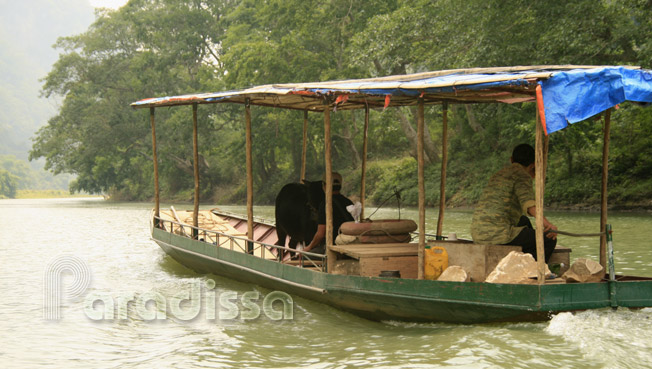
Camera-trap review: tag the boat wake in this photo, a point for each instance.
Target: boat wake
(618, 339)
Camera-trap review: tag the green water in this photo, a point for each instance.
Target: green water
(113, 241)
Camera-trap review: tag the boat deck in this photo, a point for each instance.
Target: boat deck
(370, 260)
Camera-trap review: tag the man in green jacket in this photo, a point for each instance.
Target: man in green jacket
(501, 215)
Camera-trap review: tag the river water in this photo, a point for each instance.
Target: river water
(110, 246)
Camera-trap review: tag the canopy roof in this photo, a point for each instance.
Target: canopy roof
(569, 92)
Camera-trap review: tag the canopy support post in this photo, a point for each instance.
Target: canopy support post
(539, 190)
(250, 178)
(330, 254)
(304, 149)
(422, 187)
(157, 204)
(603, 194)
(365, 133)
(195, 156)
(444, 161)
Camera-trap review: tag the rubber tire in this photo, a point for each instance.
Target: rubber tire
(345, 239)
(381, 227)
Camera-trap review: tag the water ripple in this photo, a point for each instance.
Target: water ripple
(113, 240)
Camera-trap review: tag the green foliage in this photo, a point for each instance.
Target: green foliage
(8, 184)
(166, 47)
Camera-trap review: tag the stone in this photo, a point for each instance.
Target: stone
(515, 268)
(454, 273)
(584, 271)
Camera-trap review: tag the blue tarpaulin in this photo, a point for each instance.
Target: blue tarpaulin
(576, 95)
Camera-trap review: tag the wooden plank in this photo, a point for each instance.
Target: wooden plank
(422, 185)
(538, 198)
(157, 206)
(304, 147)
(330, 255)
(444, 160)
(390, 249)
(250, 175)
(603, 192)
(195, 160)
(363, 176)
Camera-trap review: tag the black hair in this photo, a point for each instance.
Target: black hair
(523, 154)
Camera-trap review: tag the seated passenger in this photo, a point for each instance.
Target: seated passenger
(501, 214)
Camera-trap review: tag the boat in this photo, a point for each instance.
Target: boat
(352, 277)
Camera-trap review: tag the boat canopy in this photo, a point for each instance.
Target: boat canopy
(568, 93)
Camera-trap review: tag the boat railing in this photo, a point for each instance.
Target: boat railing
(256, 218)
(243, 244)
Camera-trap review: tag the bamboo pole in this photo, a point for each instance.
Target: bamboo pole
(157, 204)
(195, 156)
(545, 158)
(250, 177)
(304, 149)
(603, 194)
(444, 161)
(422, 187)
(539, 189)
(365, 133)
(330, 255)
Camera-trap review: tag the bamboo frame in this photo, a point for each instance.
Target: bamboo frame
(444, 163)
(330, 255)
(195, 156)
(603, 193)
(363, 177)
(422, 187)
(539, 190)
(250, 177)
(304, 147)
(157, 203)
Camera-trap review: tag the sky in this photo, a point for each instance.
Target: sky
(28, 31)
(113, 4)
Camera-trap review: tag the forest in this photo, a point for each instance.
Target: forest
(152, 48)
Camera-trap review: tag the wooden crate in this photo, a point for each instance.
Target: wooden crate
(368, 260)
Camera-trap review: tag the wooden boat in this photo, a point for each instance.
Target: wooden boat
(348, 277)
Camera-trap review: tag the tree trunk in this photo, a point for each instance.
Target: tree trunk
(431, 154)
(470, 115)
(348, 137)
(186, 165)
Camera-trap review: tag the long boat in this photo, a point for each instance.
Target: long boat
(350, 277)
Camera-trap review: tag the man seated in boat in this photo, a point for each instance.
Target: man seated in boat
(340, 215)
(500, 217)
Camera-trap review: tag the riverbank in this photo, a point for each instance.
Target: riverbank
(50, 194)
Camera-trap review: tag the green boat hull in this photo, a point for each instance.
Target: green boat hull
(408, 299)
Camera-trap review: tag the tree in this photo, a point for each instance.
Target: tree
(169, 47)
(8, 184)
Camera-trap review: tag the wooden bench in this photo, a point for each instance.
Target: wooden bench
(478, 260)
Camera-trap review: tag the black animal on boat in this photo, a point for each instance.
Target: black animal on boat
(296, 212)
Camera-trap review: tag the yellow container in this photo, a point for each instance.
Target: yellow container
(436, 261)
